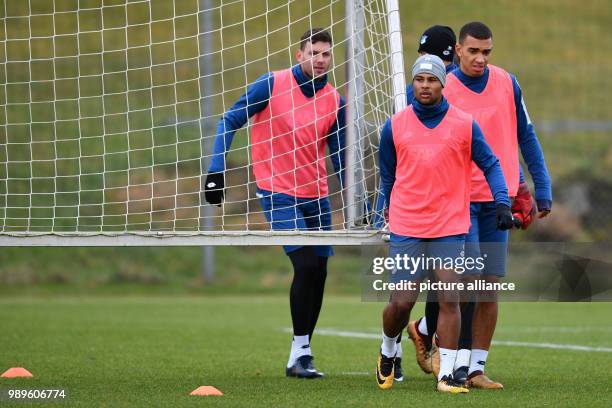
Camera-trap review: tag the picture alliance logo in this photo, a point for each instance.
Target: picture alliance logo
(411, 264)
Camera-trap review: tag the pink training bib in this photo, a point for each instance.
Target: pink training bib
(431, 194)
(495, 112)
(288, 138)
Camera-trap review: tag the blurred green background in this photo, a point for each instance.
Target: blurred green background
(100, 127)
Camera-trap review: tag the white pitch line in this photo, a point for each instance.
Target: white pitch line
(553, 329)
(349, 334)
(554, 346)
(575, 347)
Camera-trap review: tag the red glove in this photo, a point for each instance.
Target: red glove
(524, 206)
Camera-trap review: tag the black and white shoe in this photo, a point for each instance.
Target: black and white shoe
(398, 374)
(448, 384)
(461, 374)
(303, 368)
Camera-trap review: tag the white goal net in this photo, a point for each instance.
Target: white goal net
(110, 109)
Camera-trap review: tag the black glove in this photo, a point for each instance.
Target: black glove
(214, 188)
(504, 217)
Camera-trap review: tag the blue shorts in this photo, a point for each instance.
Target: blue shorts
(285, 212)
(443, 248)
(486, 241)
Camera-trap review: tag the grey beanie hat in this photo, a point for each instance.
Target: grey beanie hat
(430, 64)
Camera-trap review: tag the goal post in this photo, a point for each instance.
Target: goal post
(109, 112)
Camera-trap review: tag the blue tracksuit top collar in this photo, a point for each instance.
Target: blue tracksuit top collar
(430, 115)
(450, 67)
(475, 84)
(307, 85)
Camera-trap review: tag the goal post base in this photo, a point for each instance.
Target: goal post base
(238, 238)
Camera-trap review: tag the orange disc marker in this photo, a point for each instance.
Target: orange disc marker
(16, 372)
(206, 390)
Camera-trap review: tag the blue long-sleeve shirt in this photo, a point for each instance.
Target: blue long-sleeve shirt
(527, 139)
(256, 99)
(431, 116)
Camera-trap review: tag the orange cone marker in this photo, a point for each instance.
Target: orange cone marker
(16, 372)
(206, 390)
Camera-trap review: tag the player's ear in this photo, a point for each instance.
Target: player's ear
(457, 48)
(298, 55)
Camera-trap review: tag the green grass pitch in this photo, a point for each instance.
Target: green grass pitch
(153, 351)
